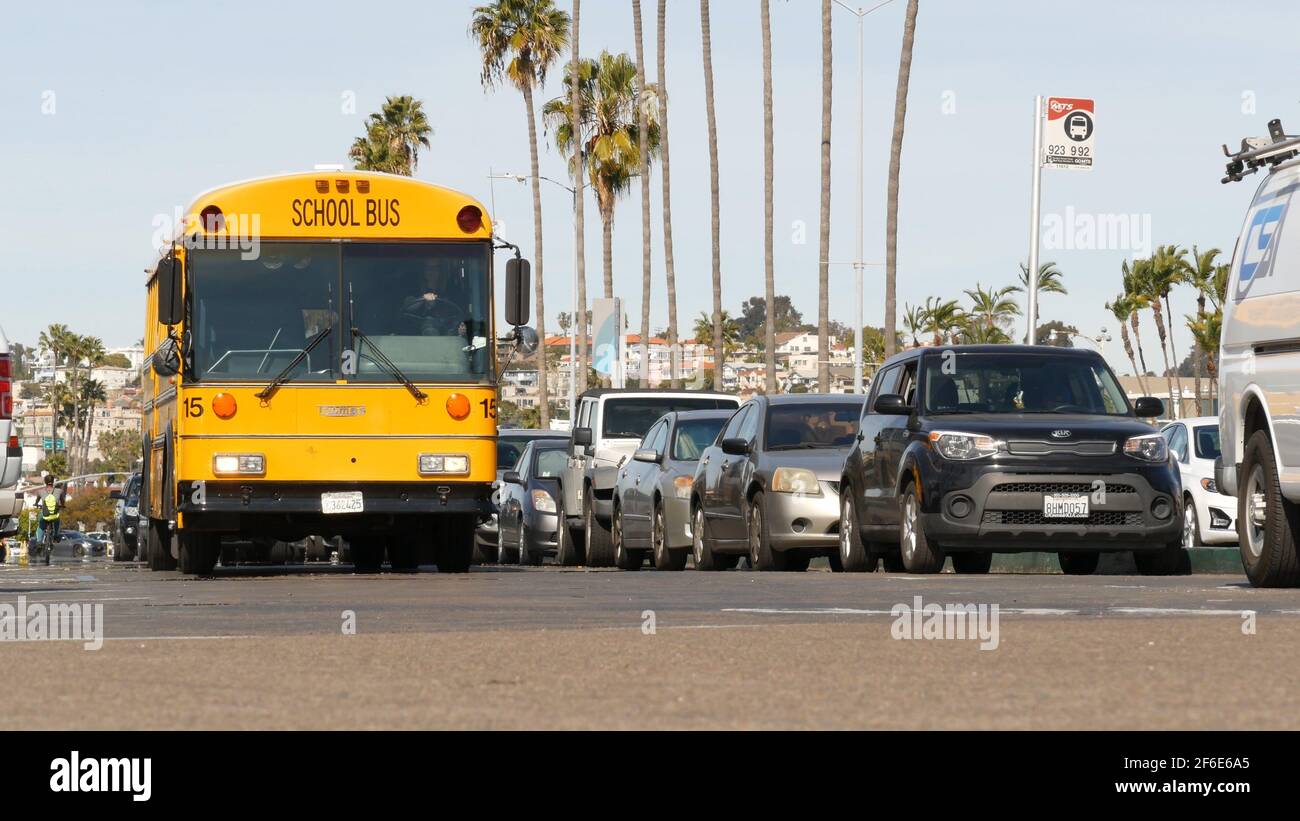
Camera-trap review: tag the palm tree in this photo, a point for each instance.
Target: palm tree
(669, 272)
(92, 394)
(1123, 309)
(715, 221)
(1137, 298)
(976, 332)
(579, 209)
(992, 307)
(394, 136)
(895, 161)
(55, 339)
(913, 322)
(824, 239)
(1148, 284)
(1049, 279)
(1168, 268)
(1199, 273)
(520, 40)
(769, 280)
(943, 318)
(643, 171)
(730, 331)
(1206, 331)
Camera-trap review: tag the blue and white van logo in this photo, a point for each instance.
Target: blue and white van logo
(1258, 250)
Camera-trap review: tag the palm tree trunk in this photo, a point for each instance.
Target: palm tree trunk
(719, 352)
(643, 166)
(895, 161)
(1137, 339)
(543, 397)
(1128, 349)
(674, 367)
(1160, 331)
(769, 354)
(578, 370)
(607, 246)
(824, 240)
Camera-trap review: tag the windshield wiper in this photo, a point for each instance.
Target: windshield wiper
(805, 445)
(283, 376)
(383, 361)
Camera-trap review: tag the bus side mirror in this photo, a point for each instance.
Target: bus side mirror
(517, 271)
(169, 291)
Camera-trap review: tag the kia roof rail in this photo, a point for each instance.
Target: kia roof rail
(1257, 152)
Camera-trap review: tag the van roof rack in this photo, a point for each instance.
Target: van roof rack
(1257, 152)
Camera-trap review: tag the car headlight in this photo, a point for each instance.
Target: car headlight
(963, 446)
(1150, 447)
(796, 480)
(682, 487)
(225, 464)
(1209, 485)
(542, 502)
(441, 463)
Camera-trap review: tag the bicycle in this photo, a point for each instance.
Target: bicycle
(48, 537)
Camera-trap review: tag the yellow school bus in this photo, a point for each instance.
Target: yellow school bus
(323, 362)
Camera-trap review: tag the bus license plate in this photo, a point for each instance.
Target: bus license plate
(1065, 507)
(349, 501)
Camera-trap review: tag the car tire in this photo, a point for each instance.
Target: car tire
(199, 552)
(761, 555)
(665, 558)
(624, 558)
(454, 552)
(159, 545)
(506, 555)
(1078, 563)
(567, 551)
(972, 562)
(1191, 523)
(918, 553)
(1266, 521)
(527, 558)
(702, 545)
(599, 541)
(1170, 560)
(854, 556)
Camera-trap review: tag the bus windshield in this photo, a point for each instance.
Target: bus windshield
(424, 307)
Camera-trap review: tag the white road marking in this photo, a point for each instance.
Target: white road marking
(1176, 611)
(852, 611)
(177, 638)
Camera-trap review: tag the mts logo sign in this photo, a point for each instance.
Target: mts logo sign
(1060, 106)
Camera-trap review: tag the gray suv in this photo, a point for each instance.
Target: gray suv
(609, 425)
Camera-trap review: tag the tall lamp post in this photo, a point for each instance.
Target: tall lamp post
(858, 264)
(573, 354)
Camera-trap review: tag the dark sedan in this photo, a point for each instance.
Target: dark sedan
(77, 546)
(510, 446)
(652, 497)
(972, 450)
(769, 486)
(528, 521)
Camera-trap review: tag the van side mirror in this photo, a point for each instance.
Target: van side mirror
(891, 404)
(517, 272)
(1148, 406)
(169, 290)
(582, 437)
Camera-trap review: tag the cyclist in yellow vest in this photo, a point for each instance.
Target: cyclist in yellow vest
(49, 509)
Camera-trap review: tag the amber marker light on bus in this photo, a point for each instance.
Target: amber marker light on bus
(470, 219)
(458, 406)
(224, 406)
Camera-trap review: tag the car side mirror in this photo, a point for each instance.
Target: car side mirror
(512, 477)
(735, 447)
(1148, 406)
(646, 455)
(582, 437)
(115, 495)
(891, 404)
(517, 272)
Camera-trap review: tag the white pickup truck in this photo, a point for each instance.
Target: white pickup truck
(11, 502)
(610, 423)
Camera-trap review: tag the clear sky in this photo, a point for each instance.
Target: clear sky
(112, 113)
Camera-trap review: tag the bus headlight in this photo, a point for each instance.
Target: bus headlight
(228, 464)
(443, 464)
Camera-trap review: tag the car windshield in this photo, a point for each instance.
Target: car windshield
(630, 418)
(693, 436)
(812, 425)
(1207, 442)
(424, 306)
(1021, 383)
(508, 452)
(549, 463)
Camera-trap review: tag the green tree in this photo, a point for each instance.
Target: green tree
(992, 308)
(393, 139)
(520, 40)
(120, 449)
(943, 318)
(1199, 273)
(704, 326)
(1123, 309)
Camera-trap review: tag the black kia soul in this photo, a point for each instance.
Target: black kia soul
(979, 449)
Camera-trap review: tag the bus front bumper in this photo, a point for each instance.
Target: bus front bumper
(214, 499)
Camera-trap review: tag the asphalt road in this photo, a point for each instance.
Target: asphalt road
(571, 648)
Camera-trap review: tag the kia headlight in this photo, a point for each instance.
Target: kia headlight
(542, 502)
(1151, 447)
(962, 447)
(796, 480)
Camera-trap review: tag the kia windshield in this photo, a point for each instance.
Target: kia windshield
(1014, 383)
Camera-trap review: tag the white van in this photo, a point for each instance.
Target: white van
(11, 502)
(1259, 369)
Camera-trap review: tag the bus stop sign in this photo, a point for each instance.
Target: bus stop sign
(1068, 133)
